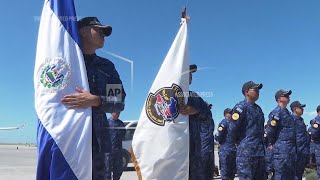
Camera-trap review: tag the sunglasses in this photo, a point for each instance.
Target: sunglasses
(256, 90)
(99, 30)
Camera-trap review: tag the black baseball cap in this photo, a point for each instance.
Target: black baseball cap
(318, 108)
(193, 68)
(228, 110)
(94, 22)
(282, 93)
(250, 85)
(296, 104)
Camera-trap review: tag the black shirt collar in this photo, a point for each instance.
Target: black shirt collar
(88, 58)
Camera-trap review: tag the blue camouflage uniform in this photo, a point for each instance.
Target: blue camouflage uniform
(268, 157)
(201, 126)
(247, 130)
(315, 135)
(281, 134)
(312, 157)
(117, 136)
(101, 72)
(303, 146)
(227, 151)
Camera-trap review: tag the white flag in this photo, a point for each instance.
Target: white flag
(64, 135)
(161, 141)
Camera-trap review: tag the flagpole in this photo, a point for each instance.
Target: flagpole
(184, 12)
(184, 15)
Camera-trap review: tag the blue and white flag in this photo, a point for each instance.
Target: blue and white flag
(64, 135)
(160, 145)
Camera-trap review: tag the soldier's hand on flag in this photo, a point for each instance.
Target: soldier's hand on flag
(188, 110)
(82, 99)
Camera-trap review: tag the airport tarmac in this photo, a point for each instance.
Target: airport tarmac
(19, 162)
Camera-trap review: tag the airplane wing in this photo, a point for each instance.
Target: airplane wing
(11, 128)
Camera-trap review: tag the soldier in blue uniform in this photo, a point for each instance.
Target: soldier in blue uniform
(247, 130)
(201, 126)
(227, 148)
(117, 132)
(315, 135)
(281, 134)
(100, 73)
(302, 139)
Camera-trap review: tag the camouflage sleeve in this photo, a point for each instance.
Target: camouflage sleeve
(238, 115)
(265, 140)
(221, 135)
(309, 132)
(111, 104)
(309, 136)
(272, 126)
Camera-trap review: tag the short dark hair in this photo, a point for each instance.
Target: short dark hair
(227, 110)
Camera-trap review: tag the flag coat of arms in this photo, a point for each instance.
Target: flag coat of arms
(63, 135)
(160, 146)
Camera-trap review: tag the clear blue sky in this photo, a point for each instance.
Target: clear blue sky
(273, 42)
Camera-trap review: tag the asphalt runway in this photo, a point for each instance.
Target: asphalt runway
(19, 162)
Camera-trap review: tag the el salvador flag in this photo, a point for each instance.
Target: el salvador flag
(63, 135)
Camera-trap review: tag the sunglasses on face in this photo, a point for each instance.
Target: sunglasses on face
(99, 30)
(255, 90)
(286, 97)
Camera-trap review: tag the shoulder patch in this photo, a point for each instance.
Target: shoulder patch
(235, 116)
(315, 125)
(276, 118)
(239, 110)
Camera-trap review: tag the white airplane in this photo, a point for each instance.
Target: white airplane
(11, 128)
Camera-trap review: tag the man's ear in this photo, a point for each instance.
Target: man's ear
(278, 100)
(83, 32)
